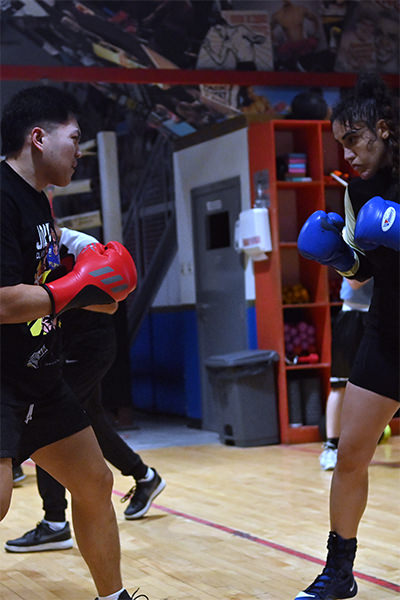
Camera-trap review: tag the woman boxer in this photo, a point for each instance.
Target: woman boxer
(365, 123)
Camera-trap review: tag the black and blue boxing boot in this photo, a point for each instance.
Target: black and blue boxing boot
(336, 582)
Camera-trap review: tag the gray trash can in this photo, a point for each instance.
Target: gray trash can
(244, 393)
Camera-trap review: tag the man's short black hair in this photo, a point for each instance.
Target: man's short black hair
(34, 106)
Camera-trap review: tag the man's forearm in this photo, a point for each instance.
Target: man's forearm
(21, 303)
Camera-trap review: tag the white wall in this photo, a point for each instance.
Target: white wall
(205, 163)
(168, 294)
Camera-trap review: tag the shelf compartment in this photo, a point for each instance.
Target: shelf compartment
(306, 398)
(296, 269)
(319, 316)
(294, 208)
(300, 137)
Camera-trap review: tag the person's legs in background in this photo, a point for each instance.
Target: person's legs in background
(148, 484)
(18, 474)
(91, 352)
(93, 349)
(54, 532)
(347, 331)
(328, 456)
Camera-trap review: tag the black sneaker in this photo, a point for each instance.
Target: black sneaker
(336, 582)
(330, 585)
(125, 596)
(18, 474)
(142, 495)
(41, 538)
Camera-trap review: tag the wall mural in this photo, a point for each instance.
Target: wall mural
(248, 35)
(269, 35)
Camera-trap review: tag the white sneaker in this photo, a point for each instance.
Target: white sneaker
(328, 457)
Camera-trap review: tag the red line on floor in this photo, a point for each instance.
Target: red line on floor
(252, 538)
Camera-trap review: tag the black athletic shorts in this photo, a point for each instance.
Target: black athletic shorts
(376, 367)
(347, 332)
(27, 424)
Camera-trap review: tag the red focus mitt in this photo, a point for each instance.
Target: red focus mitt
(101, 275)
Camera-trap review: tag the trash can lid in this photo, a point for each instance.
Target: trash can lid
(242, 358)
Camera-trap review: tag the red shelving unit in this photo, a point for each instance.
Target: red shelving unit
(291, 204)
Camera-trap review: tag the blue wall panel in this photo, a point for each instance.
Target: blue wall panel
(165, 362)
(168, 353)
(252, 327)
(141, 368)
(192, 366)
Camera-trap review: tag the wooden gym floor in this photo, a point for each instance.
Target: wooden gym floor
(232, 524)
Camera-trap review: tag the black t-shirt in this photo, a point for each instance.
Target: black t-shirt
(382, 263)
(30, 352)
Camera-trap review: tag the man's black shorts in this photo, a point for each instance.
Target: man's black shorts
(27, 424)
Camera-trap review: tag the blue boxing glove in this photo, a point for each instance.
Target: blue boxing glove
(321, 239)
(378, 224)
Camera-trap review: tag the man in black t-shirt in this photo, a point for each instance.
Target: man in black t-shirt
(40, 416)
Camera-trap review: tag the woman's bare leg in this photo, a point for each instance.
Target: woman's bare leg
(364, 417)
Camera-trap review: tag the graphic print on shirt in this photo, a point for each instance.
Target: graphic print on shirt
(47, 252)
(34, 359)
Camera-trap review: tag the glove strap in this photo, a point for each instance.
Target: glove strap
(53, 304)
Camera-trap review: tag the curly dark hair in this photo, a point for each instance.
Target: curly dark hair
(368, 102)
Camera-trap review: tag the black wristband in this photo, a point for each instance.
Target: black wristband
(53, 306)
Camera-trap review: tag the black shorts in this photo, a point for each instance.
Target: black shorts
(377, 367)
(347, 332)
(29, 424)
